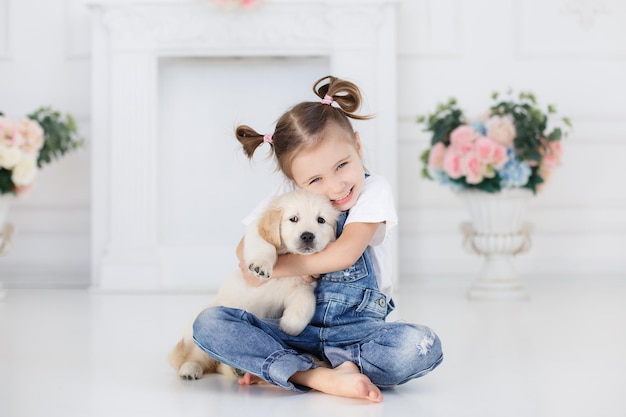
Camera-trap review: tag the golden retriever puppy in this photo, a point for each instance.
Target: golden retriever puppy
(296, 222)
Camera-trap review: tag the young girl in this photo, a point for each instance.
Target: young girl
(348, 349)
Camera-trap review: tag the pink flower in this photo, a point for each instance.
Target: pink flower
(472, 168)
(6, 128)
(490, 153)
(552, 157)
(246, 4)
(452, 163)
(435, 158)
(463, 136)
(485, 148)
(499, 157)
(22, 190)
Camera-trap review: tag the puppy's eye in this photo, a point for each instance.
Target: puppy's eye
(321, 220)
(294, 219)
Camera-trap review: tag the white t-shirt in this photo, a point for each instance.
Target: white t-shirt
(374, 205)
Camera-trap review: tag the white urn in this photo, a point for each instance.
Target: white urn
(497, 230)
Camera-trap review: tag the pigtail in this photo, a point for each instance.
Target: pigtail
(345, 93)
(249, 138)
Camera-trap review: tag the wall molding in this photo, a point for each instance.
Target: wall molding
(571, 29)
(431, 29)
(50, 247)
(440, 255)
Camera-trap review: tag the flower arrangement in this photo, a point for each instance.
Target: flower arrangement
(31, 142)
(244, 4)
(509, 147)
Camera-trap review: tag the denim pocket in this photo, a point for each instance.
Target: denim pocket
(374, 304)
(353, 273)
(351, 306)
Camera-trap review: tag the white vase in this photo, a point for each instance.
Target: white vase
(498, 232)
(6, 229)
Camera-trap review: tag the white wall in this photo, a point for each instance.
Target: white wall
(570, 53)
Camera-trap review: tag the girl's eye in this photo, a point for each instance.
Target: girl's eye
(341, 165)
(314, 180)
(321, 220)
(294, 219)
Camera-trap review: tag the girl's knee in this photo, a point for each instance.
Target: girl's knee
(403, 352)
(423, 349)
(427, 343)
(210, 320)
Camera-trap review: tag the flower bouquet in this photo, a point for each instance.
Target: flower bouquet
(29, 143)
(510, 146)
(497, 163)
(244, 4)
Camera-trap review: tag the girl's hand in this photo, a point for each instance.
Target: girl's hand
(310, 278)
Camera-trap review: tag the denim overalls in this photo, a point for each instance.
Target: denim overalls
(348, 325)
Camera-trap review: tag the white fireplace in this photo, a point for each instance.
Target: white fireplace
(171, 78)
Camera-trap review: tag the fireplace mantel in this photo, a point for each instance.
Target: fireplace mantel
(129, 39)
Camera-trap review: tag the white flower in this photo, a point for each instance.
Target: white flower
(24, 172)
(501, 129)
(9, 156)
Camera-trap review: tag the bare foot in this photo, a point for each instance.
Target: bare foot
(343, 381)
(249, 379)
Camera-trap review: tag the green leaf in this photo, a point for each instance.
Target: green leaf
(6, 184)
(60, 134)
(556, 134)
(567, 122)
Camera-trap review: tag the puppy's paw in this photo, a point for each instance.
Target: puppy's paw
(190, 370)
(262, 269)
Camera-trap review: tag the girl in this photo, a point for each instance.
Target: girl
(348, 349)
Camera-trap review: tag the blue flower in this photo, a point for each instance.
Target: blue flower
(441, 177)
(479, 127)
(514, 173)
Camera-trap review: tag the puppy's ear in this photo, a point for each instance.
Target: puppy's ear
(269, 226)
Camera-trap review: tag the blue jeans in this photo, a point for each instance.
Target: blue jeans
(348, 325)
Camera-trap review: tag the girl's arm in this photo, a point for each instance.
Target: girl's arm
(338, 255)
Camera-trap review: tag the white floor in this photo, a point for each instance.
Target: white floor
(76, 353)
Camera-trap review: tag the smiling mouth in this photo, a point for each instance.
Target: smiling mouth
(344, 199)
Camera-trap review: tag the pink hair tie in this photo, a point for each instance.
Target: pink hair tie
(327, 99)
(268, 139)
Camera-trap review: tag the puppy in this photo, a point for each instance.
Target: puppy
(296, 222)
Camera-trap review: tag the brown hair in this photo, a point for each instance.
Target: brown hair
(303, 125)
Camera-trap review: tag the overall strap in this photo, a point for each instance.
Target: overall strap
(341, 221)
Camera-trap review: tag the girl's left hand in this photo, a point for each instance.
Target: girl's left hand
(310, 278)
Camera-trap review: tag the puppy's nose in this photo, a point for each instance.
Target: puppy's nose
(307, 237)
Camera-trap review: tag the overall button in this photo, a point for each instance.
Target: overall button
(382, 302)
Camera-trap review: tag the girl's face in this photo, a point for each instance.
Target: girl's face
(333, 168)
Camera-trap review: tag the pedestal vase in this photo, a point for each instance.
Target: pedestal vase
(6, 229)
(497, 231)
